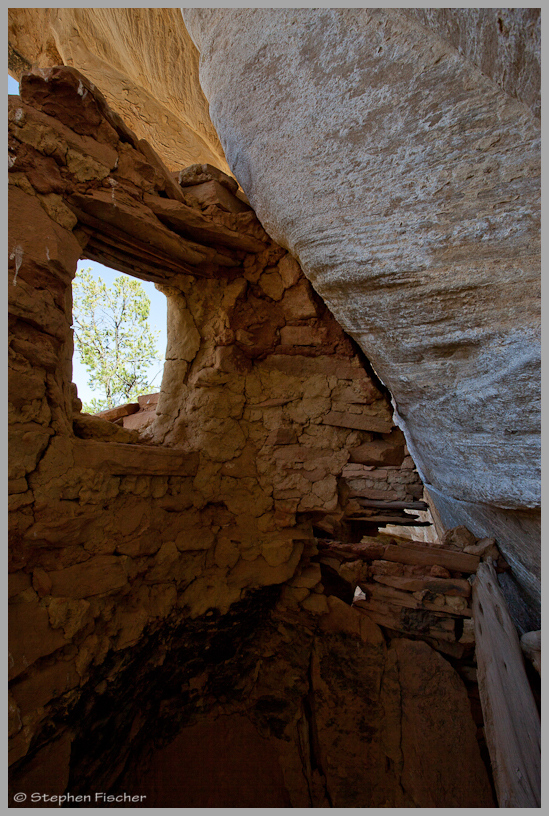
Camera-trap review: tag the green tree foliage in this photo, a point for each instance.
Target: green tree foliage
(113, 337)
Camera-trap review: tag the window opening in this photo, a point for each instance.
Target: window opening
(119, 325)
(13, 86)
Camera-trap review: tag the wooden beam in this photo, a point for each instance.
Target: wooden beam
(413, 583)
(393, 505)
(378, 593)
(511, 718)
(417, 554)
(375, 548)
(409, 621)
(374, 518)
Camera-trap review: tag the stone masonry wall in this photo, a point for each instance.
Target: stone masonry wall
(123, 544)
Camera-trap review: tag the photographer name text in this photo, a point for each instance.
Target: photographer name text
(79, 798)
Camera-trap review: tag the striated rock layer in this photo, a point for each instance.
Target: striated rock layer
(404, 175)
(144, 62)
(504, 43)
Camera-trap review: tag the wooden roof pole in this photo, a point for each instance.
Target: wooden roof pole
(511, 718)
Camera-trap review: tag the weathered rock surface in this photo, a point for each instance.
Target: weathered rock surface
(426, 244)
(154, 88)
(430, 689)
(504, 43)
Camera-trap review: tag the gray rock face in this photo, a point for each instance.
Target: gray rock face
(504, 43)
(403, 173)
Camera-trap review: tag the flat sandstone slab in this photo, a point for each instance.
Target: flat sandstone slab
(140, 460)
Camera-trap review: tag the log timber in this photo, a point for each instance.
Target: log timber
(511, 718)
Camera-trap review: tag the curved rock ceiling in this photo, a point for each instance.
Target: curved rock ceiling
(406, 182)
(154, 87)
(395, 153)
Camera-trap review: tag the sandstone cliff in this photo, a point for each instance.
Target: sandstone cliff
(192, 574)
